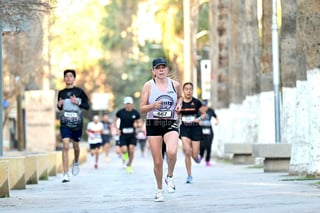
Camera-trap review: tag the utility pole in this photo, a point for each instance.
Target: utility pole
(276, 72)
(186, 41)
(1, 98)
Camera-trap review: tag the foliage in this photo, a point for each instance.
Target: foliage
(14, 13)
(118, 22)
(203, 24)
(22, 40)
(75, 43)
(129, 64)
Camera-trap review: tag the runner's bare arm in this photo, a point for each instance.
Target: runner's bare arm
(145, 106)
(179, 95)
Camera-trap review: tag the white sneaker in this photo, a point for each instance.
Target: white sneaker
(159, 196)
(170, 184)
(65, 178)
(75, 168)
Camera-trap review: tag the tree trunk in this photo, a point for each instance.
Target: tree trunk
(306, 147)
(222, 72)
(236, 51)
(194, 19)
(251, 48)
(214, 50)
(288, 45)
(308, 19)
(266, 50)
(288, 66)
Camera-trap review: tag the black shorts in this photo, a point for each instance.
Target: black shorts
(128, 139)
(105, 139)
(192, 132)
(94, 146)
(160, 127)
(68, 133)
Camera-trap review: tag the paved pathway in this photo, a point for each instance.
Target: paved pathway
(220, 188)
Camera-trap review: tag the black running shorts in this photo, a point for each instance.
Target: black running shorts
(192, 132)
(160, 127)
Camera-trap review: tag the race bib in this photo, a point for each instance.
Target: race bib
(188, 119)
(96, 135)
(127, 130)
(163, 114)
(206, 131)
(71, 119)
(70, 115)
(106, 132)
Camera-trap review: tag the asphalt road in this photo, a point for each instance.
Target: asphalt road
(221, 188)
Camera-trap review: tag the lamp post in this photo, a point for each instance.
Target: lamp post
(187, 41)
(1, 98)
(276, 74)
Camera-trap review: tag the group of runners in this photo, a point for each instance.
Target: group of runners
(172, 113)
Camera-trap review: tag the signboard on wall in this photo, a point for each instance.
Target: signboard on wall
(40, 107)
(205, 68)
(100, 101)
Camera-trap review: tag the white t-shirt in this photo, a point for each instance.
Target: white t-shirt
(95, 130)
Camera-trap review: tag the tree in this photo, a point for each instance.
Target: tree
(75, 35)
(22, 51)
(14, 13)
(266, 47)
(19, 70)
(128, 64)
(170, 17)
(288, 46)
(305, 147)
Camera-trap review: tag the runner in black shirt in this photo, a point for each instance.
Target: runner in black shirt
(70, 102)
(190, 130)
(128, 120)
(207, 131)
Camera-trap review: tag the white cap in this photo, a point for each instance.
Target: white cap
(128, 100)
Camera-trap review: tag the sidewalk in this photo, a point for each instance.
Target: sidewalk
(220, 188)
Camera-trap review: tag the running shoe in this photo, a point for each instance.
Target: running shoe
(170, 184)
(189, 179)
(159, 196)
(198, 160)
(75, 168)
(65, 178)
(208, 164)
(129, 170)
(96, 166)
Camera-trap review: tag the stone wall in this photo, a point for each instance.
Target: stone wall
(253, 122)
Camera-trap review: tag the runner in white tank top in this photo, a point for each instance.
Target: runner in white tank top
(161, 99)
(168, 99)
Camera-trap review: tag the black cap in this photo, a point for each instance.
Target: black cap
(204, 102)
(71, 71)
(159, 61)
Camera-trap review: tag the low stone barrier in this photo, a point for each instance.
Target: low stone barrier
(17, 178)
(20, 168)
(276, 156)
(36, 167)
(31, 171)
(42, 166)
(242, 152)
(59, 166)
(52, 163)
(4, 178)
